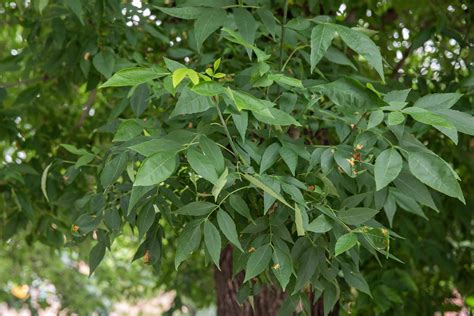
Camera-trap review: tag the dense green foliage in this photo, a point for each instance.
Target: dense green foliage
(325, 149)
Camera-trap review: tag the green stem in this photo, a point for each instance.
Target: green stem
(285, 15)
(291, 55)
(231, 142)
(352, 130)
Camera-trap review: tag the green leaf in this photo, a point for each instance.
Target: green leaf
(290, 158)
(127, 130)
(112, 219)
(140, 99)
(213, 153)
(244, 101)
(435, 120)
(237, 38)
(321, 38)
(266, 188)
(202, 165)
(356, 280)
(208, 88)
(320, 225)
(407, 184)
(172, 65)
(270, 155)
(190, 102)
(198, 208)
(395, 118)
(397, 95)
(356, 215)
(426, 117)
(185, 13)
(44, 179)
(76, 7)
(375, 118)
(435, 173)
(134, 76)
(153, 146)
(299, 221)
(207, 23)
(137, 194)
(84, 160)
(227, 226)
(285, 80)
(220, 183)
(407, 203)
(362, 45)
(113, 169)
(335, 56)
(463, 122)
(306, 268)
(181, 73)
(258, 262)
(342, 158)
(212, 239)
(268, 20)
(156, 169)
(438, 101)
(42, 4)
(188, 242)
(278, 118)
(73, 150)
(331, 295)
(216, 64)
(241, 122)
(95, 257)
(246, 25)
(283, 267)
(345, 242)
(350, 95)
(145, 220)
(104, 62)
(387, 167)
(239, 205)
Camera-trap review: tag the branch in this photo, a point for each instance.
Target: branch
(399, 65)
(86, 108)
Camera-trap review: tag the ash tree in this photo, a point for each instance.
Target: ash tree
(269, 147)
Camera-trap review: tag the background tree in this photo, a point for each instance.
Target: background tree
(266, 137)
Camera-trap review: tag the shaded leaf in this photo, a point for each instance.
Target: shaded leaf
(388, 166)
(156, 169)
(258, 262)
(212, 239)
(356, 215)
(435, 173)
(227, 226)
(321, 38)
(345, 242)
(198, 208)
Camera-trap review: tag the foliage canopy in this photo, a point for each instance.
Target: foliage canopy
(267, 126)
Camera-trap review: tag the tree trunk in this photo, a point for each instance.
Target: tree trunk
(266, 303)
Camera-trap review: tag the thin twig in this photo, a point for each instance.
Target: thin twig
(86, 108)
(399, 65)
(221, 117)
(291, 55)
(285, 16)
(354, 128)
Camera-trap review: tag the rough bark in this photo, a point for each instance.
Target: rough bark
(266, 303)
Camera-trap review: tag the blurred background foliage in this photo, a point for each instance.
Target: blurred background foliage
(48, 96)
